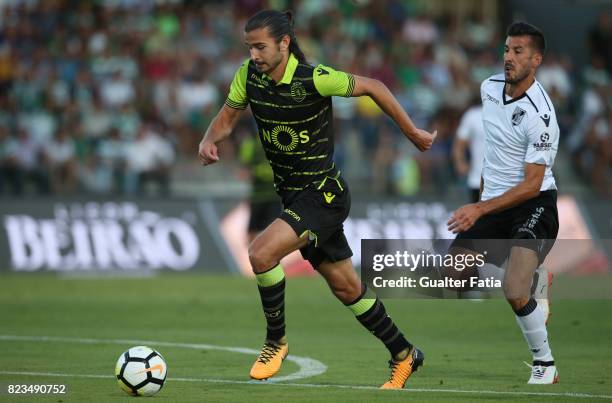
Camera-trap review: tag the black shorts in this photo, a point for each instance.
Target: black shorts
(534, 224)
(262, 214)
(320, 210)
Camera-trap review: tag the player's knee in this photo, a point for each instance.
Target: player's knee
(516, 289)
(260, 259)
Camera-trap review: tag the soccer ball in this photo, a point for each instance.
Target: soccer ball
(141, 371)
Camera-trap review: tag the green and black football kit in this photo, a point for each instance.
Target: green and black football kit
(294, 120)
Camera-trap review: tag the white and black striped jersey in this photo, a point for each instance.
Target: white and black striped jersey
(518, 131)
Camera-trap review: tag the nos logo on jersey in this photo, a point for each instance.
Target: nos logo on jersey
(284, 137)
(518, 115)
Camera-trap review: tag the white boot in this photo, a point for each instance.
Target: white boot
(543, 375)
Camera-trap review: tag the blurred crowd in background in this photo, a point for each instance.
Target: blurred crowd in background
(113, 96)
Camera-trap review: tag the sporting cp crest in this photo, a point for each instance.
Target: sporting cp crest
(298, 92)
(518, 115)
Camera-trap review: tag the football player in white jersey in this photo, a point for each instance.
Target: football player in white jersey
(517, 208)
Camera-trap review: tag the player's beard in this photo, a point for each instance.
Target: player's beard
(520, 76)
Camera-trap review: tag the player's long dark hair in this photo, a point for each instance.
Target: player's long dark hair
(279, 24)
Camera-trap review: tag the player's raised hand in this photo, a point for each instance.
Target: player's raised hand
(423, 140)
(207, 153)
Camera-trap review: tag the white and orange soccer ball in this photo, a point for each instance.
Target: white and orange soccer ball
(141, 371)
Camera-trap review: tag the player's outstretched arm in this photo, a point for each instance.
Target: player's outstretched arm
(379, 92)
(219, 129)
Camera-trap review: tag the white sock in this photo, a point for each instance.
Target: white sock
(533, 326)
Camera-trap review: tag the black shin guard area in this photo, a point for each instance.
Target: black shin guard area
(381, 325)
(273, 302)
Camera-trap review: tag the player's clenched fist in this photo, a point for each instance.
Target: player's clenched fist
(423, 140)
(207, 153)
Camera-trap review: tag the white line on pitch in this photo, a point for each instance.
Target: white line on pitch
(308, 367)
(315, 385)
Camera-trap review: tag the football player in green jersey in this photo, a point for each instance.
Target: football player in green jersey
(291, 103)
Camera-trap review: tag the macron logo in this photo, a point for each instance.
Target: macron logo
(546, 119)
(491, 99)
(322, 72)
(293, 214)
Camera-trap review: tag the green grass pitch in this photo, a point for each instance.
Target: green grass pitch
(474, 350)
